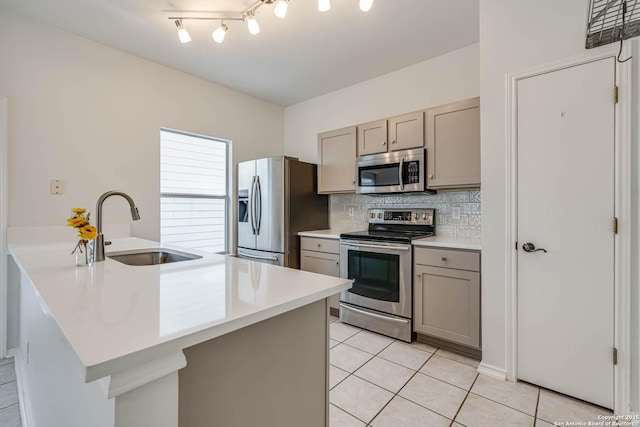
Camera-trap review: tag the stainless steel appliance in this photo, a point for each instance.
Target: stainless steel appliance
(379, 263)
(395, 172)
(277, 198)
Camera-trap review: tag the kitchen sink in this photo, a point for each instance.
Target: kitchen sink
(151, 256)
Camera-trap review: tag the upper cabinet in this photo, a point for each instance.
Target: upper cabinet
(451, 132)
(337, 158)
(406, 131)
(453, 145)
(372, 137)
(397, 133)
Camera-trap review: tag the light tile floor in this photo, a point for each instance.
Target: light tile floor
(377, 381)
(9, 408)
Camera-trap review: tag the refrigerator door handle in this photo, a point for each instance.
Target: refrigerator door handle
(267, 258)
(253, 206)
(258, 204)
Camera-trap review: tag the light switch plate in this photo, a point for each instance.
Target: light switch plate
(455, 212)
(56, 186)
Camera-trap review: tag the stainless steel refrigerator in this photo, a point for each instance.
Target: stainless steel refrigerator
(277, 198)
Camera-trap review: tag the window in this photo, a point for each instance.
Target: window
(193, 191)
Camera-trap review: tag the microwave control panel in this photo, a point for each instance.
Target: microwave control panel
(411, 172)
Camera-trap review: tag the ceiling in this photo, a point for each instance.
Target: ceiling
(307, 54)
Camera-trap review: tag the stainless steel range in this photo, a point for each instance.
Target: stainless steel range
(379, 263)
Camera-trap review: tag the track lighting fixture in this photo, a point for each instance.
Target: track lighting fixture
(365, 5)
(252, 24)
(324, 5)
(249, 16)
(219, 34)
(183, 34)
(281, 8)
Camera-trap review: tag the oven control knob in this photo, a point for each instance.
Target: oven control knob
(380, 215)
(372, 215)
(425, 216)
(416, 216)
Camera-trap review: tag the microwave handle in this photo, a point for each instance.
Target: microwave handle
(400, 173)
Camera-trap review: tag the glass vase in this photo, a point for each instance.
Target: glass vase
(83, 254)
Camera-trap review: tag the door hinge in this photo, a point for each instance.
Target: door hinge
(615, 356)
(615, 94)
(615, 225)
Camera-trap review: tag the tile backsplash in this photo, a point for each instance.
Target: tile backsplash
(469, 202)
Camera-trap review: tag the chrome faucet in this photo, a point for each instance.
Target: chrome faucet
(98, 242)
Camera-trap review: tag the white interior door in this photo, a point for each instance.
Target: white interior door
(566, 206)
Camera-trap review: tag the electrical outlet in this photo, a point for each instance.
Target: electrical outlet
(351, 212)
(455, 212)
(56, 186)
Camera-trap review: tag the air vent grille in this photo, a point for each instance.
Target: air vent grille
(606, 21)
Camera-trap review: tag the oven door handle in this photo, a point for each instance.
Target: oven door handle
(379, 316)
(400, 170)
(391, 248)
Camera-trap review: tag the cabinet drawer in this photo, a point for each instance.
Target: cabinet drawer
(448, 258)
(321, 245)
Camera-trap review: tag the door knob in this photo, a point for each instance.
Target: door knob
(530, 247)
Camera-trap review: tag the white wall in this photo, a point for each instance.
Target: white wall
(515, 36)
(635, 247)
(91, 116)
(437, 81)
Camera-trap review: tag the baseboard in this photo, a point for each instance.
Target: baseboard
(23, 391)
(492, 371)
(447, 345)
(12, 352)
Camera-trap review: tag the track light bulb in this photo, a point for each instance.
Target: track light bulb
(252, 24)
(281, 8)
(324, 5)
(183, 34)
(365, 5)
(220, 32)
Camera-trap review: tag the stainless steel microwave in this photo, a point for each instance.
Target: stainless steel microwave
(396, 172)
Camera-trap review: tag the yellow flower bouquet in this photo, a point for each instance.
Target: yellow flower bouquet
(86, 232)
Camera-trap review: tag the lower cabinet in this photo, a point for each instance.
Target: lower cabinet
(447, 300)
(321, 262)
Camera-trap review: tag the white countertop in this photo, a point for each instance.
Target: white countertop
(115, 315)
(323, 234)
(449, 242)
(435, 241)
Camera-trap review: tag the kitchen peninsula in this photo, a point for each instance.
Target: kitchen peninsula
(207, 342)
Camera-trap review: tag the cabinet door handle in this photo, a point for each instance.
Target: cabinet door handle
(430, 176)
(444, 258)
(393, 142)
(384, 142)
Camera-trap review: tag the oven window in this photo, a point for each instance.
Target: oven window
(379, 176)
(375, 275)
